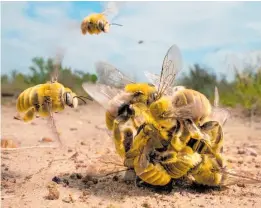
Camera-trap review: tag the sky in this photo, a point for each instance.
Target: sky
(218, 35)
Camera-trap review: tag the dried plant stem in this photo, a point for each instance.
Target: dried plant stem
(24, 148)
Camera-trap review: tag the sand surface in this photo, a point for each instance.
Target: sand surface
(26, 173)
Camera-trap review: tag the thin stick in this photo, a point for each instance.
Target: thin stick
(111, 173)
(23, 148)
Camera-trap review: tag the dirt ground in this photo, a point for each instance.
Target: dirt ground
(26, 173)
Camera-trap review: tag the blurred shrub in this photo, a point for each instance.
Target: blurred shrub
(40, 72)
(244, 90)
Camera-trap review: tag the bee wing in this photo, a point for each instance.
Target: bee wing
(219, 114)
(153, 78)
(101, 93)
(57, 65)
(110, 75)
(172, 64)
(52, 121)
(232, 177)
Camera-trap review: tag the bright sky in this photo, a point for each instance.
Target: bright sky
(216, 34)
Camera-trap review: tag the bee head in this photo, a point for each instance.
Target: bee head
(142, 92)
(70, 99)
(160, 107)
(103, 26)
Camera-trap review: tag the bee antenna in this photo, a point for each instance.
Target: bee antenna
(88, 98)
(116, 24)
(82, 98)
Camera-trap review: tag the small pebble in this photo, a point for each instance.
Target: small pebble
(115, 178)
(73, 129)
(241, 151)
(56, 180)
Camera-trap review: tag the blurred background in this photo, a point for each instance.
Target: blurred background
(220, 44)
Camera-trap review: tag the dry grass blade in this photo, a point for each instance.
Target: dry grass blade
(26, 148)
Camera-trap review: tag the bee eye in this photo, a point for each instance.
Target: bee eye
(138, 93)
(101, 25)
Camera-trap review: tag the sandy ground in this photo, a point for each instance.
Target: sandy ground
(26, 173)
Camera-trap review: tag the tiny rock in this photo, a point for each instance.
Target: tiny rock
(46, 139)
(73, 129)
(252, 152)
(68, 199)
(53, 191)
(241, 185)
(8, 143)
(56, 179)
(83, 143)
(241, 151)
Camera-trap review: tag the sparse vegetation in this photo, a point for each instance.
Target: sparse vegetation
(244, 90)
(40, 72)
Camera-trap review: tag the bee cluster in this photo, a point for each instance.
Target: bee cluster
(164, 132)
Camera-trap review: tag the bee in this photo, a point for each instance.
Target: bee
(96, 23)
(124, 100)
(44, 99)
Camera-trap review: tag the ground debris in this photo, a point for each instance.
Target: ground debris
(53, 191)
(69, 199)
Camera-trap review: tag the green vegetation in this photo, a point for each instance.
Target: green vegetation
(244, 90)
(41, 71)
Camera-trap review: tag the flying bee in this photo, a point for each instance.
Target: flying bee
(96, 23)
(44, 99)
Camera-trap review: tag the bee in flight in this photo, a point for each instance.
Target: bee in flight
(45, 99)
(96, 23)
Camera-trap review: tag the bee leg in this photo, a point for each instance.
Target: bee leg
(214, 129)
(29, 115)
(119, 138)
(209, 171)
(134, 123)
(129, 175)
(138, 182)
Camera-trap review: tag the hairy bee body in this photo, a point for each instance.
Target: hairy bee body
(95, 24)
(137, 158)
(184, 103)
(43, 99)
(209, 171)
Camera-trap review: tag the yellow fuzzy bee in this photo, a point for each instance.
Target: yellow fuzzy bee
(96, 23)
(45, 99)
(123, 100)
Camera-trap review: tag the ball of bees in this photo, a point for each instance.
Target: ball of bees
(179, 133)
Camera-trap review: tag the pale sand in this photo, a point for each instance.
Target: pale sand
(83, 131)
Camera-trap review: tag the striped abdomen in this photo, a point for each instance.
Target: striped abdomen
(200, 107)
(39, 96)
(154, 174)
(28, 98)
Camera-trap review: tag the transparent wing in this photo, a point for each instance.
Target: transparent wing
(219, 114)
(57, 65)
(236, 177)
(101, 93)
(110, 75)
(153, 78)
(52, 121)
(172, 64)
